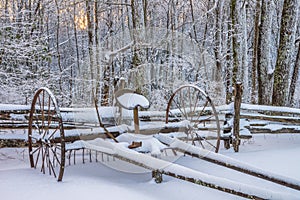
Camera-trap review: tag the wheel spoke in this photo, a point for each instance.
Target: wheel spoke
(201, 121)
(49, 109)
(211, 144)
(178, 107)
(190, 100)
(37, 157)
(43, 114)
(52, 134)
(195, 106)
(196, 101)
(200, 113)
(36, 125)
(40, 112)
(58, 146)
(46, 127)
(55, 156)
(51, 167)
(33, 152)
(43, 161)
(200, 139)
(183, 105)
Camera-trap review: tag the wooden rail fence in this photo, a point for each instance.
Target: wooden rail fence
(258, 118)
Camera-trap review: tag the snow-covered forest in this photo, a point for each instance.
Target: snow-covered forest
(77, 47)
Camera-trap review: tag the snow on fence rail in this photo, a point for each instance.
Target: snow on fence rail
(260, 118)
(15, 116)
(267, 119)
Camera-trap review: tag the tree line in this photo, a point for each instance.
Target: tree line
(80, 48)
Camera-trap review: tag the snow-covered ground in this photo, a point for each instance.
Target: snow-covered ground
(276, 153)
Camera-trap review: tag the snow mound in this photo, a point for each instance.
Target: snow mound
(132, 100)
(149, 143)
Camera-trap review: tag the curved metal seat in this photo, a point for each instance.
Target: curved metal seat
(130, 100)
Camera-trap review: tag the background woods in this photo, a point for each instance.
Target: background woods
(76, 47)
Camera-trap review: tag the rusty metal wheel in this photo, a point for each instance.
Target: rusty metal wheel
(191, 105)
(46, 135)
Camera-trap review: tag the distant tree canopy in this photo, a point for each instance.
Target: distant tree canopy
(80, 48)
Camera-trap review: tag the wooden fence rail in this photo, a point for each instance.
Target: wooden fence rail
(259, 118)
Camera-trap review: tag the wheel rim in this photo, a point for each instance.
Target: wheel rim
(46, 141)
(192, 104)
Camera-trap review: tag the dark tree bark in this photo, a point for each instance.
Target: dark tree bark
(145, 8)
(264, 74)
(193, 21)
(108, 67)
(233, 15)
(217, 47)
(286, 44)
(97, 42)
(90, 36)
(228, 64)
(255, 49)
(294, 77)
(58, 47)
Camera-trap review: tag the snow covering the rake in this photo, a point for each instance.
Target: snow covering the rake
(177, 144)
(97, 145)
(149, 144)
(120, 150)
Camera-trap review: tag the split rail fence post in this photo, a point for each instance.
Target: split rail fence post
(236, 119)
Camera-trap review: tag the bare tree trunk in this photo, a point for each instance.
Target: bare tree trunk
(193, 21)
(217, 47)
(294, 77)
(145, 5)
(286, 45)
(135, 57)
(108, 66)
(244, 49)
(58, 48)
(235, 46)
(255, 51)
(97, 42)
(264, 72)
(76, 39)
(133, 14)
(228, 63)
(90, 36)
